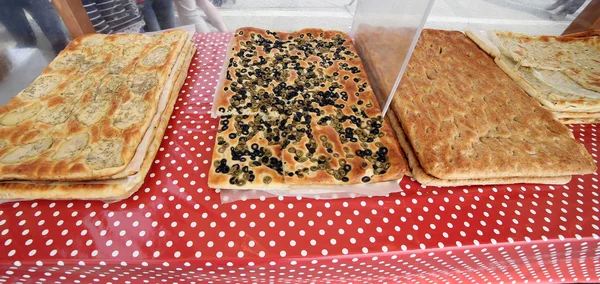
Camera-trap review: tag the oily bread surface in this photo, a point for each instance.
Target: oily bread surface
(84, 117)
(330, 126)
(98, 191)
(244, 156)
(422, 177)
(465, 118)
(181, 65)
(263, 62)
(347, 162)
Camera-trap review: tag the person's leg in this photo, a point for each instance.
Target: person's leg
(165, 13)
(149, 17)
(13, 17)
(573, 6)
(213, 14)
(190, 15)
(48, 20)
(556, 4)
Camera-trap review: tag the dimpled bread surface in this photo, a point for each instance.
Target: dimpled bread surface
(465, 118)
(85, 115)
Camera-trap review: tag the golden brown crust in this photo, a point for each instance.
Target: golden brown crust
(180, 66)
(422, 177)
(565, 114)
(243, 156)
(89, 88)
(588, 33)
(115, 191)
(465, 119)
(579, 120)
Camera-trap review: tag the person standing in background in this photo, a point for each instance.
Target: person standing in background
(569, 7)
(114, 16)
(189, 14)
(12, 16)
(158, 14)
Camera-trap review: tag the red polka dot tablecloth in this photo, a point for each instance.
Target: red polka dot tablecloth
(176, 230)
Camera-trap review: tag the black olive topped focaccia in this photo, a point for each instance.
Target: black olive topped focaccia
(246, 155)
(309, 87)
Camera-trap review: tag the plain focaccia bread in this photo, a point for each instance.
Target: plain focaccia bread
(85, 115)
(245, 154)
(422, 177)
(120, 189)
(465, 118)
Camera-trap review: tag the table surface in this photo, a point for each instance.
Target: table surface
(176, 223)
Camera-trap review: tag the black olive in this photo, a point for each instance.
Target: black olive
(232, 135)
(366, 179)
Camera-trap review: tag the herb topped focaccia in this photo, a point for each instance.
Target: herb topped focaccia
(86, 115)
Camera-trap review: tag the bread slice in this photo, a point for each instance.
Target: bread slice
(103, 190)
